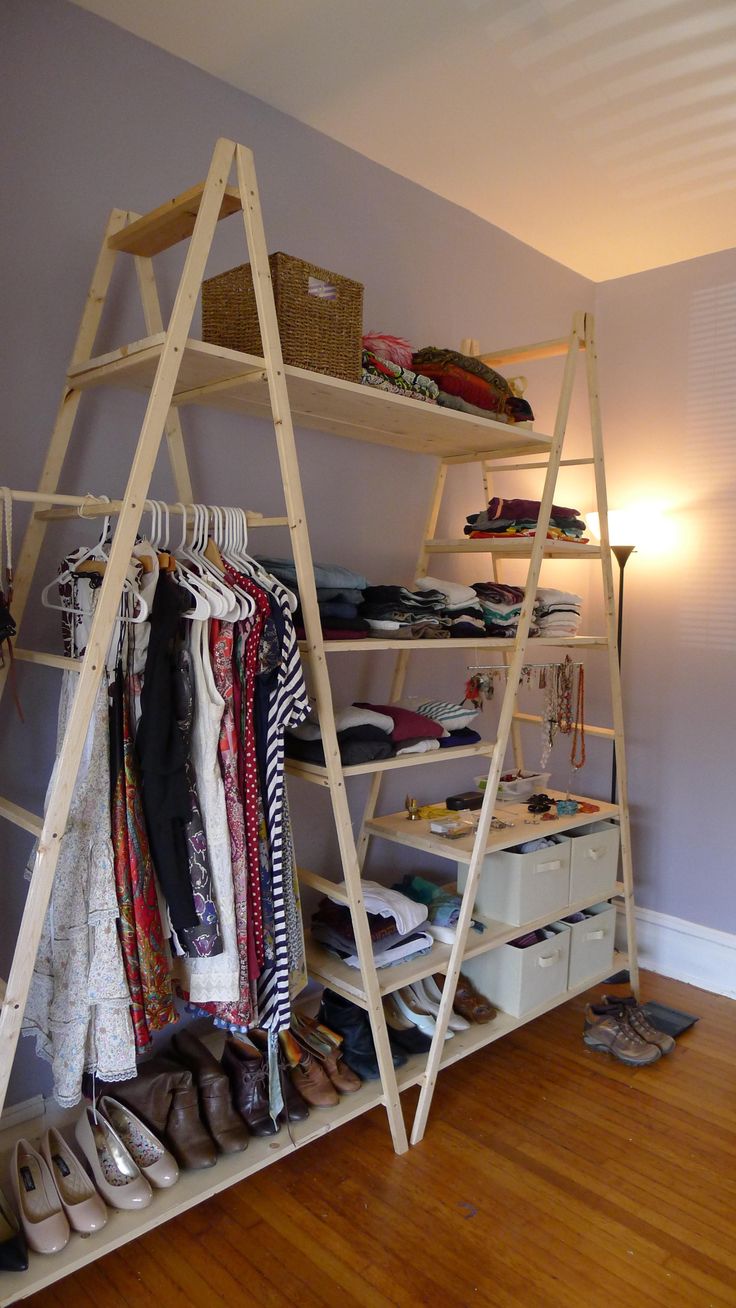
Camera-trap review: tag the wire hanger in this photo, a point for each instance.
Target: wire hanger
(97, 553)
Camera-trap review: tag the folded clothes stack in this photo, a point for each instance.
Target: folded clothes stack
(396, 925)
(520, 517)
(462, 608)
(558, 612)
(467, 384)
(340, 593)
(501, 607)
(395, 613)
(370, 732)
(443, 907)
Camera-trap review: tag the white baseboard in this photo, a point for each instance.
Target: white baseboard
(686, 951)
(23, 1111)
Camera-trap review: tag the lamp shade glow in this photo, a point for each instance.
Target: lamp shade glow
(645, 526)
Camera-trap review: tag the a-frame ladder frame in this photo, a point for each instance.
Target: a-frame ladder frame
(161, 418)
(581, 336)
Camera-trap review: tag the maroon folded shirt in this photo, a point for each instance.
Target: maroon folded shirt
(408, 725)
(498, 508)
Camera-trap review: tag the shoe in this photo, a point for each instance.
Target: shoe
(412, 1008)
(468, 1001)
(641, 1024)
(164, 1096)
(116, 1176)
(307, 1074)
(247, 1071)
(432, 1005)
(403, 1034)
(609, 1029)
(42, 1217)
(295, 1107)
(324, 1045)
(13, 1247)
(84, 1208)
(149, 1155)
(351, 1022)
(226, 1127)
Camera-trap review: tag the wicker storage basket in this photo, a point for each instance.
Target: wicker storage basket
(320, 315)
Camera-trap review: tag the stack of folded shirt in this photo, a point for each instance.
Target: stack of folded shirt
(462, 607)
(362, 736)
(557, 612)
(467, 384)
(413, 733)
(394, 612)
(394, 921)
(501, 608)
(443, 907)
(520, 517)
(455, 718)
(389, 376)
(340, 592)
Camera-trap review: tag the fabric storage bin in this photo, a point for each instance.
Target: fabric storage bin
(520, 980)
(591, 944)
(519, 888)
(594, 861)
(320, 315)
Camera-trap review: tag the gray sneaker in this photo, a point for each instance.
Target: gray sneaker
(609, 1029)
(641, 1024)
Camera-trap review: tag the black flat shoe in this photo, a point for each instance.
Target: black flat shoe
(13, 1247)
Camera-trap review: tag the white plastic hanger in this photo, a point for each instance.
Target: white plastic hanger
(99, 554)
(202, 607)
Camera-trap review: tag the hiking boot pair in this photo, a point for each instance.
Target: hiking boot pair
(621, 1028)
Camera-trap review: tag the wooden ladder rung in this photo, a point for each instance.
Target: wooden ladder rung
(48, 660)
(608, 733)
(170, 223)
(21, 816)
(329, 888)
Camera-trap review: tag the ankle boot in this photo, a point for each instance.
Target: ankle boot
(353, 1025)
(247, 1071)
(191, 1142)
(295, 1109)
(215, 1102)
(307, 1073)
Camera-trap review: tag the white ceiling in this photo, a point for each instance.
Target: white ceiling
(601, 132)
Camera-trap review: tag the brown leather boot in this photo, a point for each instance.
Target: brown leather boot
(344, 1079)
(295, 1108)
(164, 1095)
(307, 1075)
(215, 1101)
(247, 1071)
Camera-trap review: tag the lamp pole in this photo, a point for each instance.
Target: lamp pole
(623, 554)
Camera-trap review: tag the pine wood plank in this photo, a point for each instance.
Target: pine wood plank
(170, 223)
(519, 548)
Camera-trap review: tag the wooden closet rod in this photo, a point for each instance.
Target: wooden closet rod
(88, 506)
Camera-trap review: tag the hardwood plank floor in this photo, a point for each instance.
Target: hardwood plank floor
(550, 1176)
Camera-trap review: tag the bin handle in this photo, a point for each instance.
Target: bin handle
(595, 935)
(595, 854)
(549, 959)
(548, 867)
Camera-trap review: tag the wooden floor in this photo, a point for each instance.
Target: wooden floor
(550, 1175)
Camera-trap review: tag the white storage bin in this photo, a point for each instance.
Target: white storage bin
(593, 861)
(520, 980)
(591, 944)
(520, 888)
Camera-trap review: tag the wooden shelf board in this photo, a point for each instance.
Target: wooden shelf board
(466, 642)
(477, 1037)
(347, 981)
(227, 380)
(417, 835)
(191, 1188)
(314, 772)
(519, 548)
(170, 223)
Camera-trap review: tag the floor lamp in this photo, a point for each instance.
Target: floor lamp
(623, 554)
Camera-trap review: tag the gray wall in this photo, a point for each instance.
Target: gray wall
(95, 118)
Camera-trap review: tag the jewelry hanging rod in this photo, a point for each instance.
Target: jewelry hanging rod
(89, 506)
(504, 667)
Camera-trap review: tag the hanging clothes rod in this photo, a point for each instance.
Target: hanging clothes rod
(89, 506)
